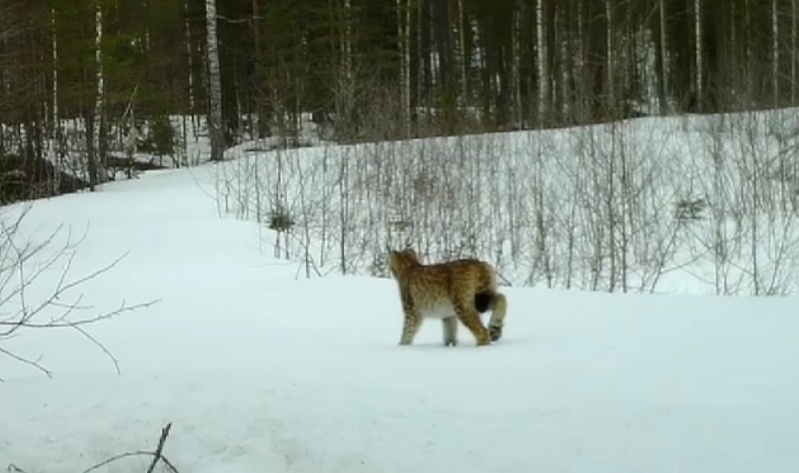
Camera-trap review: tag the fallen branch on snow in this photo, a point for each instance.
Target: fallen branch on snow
(157, 455)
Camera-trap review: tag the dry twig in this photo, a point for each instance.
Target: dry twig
(19, 271)
(157, 455)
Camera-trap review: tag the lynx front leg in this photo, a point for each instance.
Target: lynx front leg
(450, 331)
(471, 319)
(411, 325)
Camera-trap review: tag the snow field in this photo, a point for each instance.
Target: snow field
(261, 370)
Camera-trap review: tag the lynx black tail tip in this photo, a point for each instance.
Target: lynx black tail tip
(482, 301)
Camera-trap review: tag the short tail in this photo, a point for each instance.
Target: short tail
(496, 302)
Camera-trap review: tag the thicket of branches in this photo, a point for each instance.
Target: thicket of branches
(625, 206)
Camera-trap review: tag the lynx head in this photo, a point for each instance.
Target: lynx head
(401, 261)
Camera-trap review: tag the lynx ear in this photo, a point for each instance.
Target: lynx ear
(412, 253)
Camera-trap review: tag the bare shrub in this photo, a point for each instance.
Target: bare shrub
(750, 244)
(27, 306)
(629, 206)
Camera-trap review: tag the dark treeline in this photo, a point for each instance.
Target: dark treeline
(379, 69)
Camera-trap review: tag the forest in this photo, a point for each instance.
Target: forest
(90, 83)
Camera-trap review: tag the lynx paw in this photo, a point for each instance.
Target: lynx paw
(495, 333)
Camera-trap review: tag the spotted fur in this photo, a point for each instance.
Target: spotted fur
(452, 291)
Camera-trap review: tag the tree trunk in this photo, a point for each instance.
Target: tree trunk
(97, 173)
(189, 57)
(215, 84)
(262, 127)
(403, 35)
(461, 58)
(662, 57)
(543, 70)
(793, 55)
(699, 66)
(775, 51)
(55, 131)
(345, 82)
(609, 61)
(515, 79)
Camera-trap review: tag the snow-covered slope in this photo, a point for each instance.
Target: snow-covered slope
(261, 370)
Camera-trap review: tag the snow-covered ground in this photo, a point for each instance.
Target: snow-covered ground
(262, 370)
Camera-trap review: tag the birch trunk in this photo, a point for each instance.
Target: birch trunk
(403, 35)
(515, 79)
(775, 50)
(347, 43)
(345, 87)
(147, 33)
(421, 64)
(256, 38)
(96, 169)
(610, 58)
(699, 79)
(346, 48)
(793, 53)
(543, 70)
(461, 57)
(55, 133)
(189, 56)
(664, 80)
(567, 57)
(214, 83)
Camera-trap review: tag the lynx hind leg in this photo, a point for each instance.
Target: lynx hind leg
(471, 319)
(450, 331)
(410, 326)
(499, 306)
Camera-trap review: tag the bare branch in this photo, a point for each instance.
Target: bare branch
(26, 361)
(102, 347)
(12, 468)
(108, 461)
(159, 449)
(23, 265)
(60, 323)
(157, 455)
(247, 19)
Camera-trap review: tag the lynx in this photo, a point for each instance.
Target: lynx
(451, 291)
